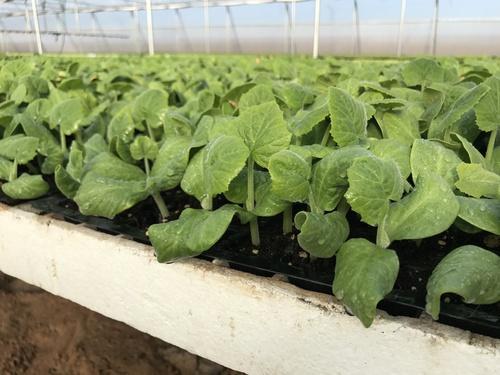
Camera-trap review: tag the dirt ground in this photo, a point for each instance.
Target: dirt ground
(44, 334)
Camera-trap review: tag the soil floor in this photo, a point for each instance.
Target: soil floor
(44, 334)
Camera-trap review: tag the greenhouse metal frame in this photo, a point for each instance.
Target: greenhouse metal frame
(32, 10)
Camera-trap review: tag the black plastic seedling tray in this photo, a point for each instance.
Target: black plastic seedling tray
(482, 319)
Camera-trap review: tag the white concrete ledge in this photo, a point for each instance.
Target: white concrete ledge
(248, 323)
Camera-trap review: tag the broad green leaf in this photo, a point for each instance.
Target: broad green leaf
(488, 108)
(5, 168)
(290, 174)
(364, 275)
(457, 110)
(206, 101)
(211, 170)
(264, 131)
(400, 125)
(295, 96)
(482, 213)
(26, 187)
(75, 162)
(110, 186)
(65, 183)
(19, 147)
(255, 96)
(429, 156)
(433, 101)
(68, 115)
(143, 148)
(238, 188)
(348, 117)
(329, 178)
(175, 124)
(392, 149)
(321, 235)
(474, 155)
(373, 183)
(428, 210)
(149, 107)
(94, 146)
(477, 182)
(306, 119)
(47, 143)
(267, 203)
(469, 271)
(121, 125)
(422, 72)
(194, 232)
(170, 164)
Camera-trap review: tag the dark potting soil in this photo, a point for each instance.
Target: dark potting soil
(281, 254)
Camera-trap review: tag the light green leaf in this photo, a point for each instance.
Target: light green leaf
(110, 186)
(373, 183)
(348, 117)
(255, 96)
(430, 156)
(392, 149)
(477, 182)
(264, 131)
(482, 213)
(267, 203)
(290, 174)
(400, 125)
(19, 147)
(5, 168)
(321, 235)
(364, 275)
(143, 148)
(474, 155)
(428, 210)
(329, 178)
(433, 101)
(94, 146)
(238, 188)
(65, 183)
(217, 165)
(170, 164)
(469, 271)
(306, 119)
(422, 72)
(26, 187)
(149, 107)
(75, 162)
(456, 112)
(488, 108)
(194, 232)
(121, 125)
(68, 115)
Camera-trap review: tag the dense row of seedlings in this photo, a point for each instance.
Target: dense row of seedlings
(249, 138)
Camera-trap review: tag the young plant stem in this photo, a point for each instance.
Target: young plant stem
(491, 145)
(150, 132)
(326, 136)
(160, 203)
(13, 171)
(312, 204)
(208, 203)
(78, 136)
(288, 220)
(62, 138)
(343, 207)
(250, 203)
